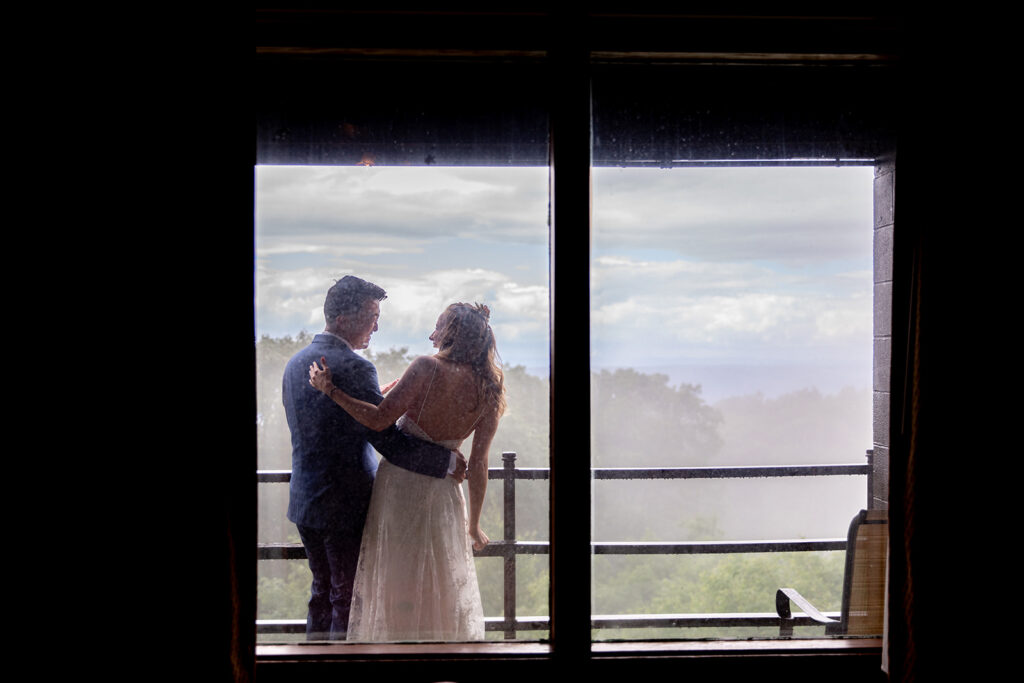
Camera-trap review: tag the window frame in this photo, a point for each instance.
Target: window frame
(568, 93)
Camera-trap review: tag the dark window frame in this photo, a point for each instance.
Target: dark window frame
(570, 643)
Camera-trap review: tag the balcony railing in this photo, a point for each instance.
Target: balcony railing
(508, 548)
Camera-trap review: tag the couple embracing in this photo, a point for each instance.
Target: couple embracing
(390, 546)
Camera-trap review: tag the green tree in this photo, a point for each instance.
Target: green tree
(282, 592)
(638, 420)
(272, 436)
(390, 364)
(709, 584)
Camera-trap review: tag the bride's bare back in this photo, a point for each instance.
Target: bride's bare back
(447, 401)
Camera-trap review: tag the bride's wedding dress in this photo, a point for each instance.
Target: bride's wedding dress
(415, 579)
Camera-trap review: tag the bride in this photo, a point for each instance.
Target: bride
(416, 579)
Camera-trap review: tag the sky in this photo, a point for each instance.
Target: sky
(740, 279)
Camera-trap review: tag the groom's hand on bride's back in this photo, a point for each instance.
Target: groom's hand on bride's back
(460, 467)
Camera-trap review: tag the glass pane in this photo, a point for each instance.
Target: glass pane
(731, 326)
(430, 236)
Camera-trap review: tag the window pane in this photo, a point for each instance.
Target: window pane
(731, 326)
(430, 236)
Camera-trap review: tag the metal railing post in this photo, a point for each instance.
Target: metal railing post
(509, 477)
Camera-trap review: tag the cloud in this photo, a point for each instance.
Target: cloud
(289, 302)
(313, 203)
(643, 310)
(796, 216)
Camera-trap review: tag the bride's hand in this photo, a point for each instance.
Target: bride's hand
(320, 378)
(480, 539)
(388, 387)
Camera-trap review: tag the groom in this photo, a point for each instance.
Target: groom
(333, 465)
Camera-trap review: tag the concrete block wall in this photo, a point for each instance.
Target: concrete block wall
(884, 221)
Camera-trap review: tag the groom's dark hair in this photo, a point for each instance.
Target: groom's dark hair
(348, 295)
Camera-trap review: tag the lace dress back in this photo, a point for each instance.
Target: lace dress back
(416, 580)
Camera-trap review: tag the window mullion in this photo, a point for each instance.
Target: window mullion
(570, 359)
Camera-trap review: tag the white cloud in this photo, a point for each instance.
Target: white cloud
(674, 309)
(402, 203)
(845, 319)
(287, 303)
(793, 215)
(336, 246)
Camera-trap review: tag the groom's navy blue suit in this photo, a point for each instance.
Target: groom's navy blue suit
(333, 467)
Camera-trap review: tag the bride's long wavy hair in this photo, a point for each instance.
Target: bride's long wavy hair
(467, 337)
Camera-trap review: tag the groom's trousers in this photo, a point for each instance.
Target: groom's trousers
(333, 555)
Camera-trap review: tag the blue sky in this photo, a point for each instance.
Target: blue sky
(690, 266)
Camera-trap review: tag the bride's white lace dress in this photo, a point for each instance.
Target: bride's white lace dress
(416, 579)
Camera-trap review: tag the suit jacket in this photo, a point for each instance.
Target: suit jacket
(333, 465)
